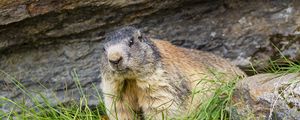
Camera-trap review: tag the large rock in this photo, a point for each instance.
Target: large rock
(43, 41)
(268, 96)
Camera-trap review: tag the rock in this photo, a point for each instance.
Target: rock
(51, 71)
(44, 41)
(268, 96)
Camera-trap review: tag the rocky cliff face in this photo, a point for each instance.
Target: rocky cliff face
(45, 41)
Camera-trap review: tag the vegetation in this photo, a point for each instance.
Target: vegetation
(218, 106)
(43, 110)
(282, 65)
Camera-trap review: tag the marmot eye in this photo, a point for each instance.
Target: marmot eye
(140, 38)
(131, 42)
(104, 49)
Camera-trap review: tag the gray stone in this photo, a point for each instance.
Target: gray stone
(268, 96)
(52, 71)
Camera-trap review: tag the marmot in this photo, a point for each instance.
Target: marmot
(155, 78)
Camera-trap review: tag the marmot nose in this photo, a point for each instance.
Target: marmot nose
(116, 61)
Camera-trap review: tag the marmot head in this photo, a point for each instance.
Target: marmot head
(128, 50)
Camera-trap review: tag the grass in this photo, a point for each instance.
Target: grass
(218, 106)
(282, 65)
(215, 108)
(42, 109)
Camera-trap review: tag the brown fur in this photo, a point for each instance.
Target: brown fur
(166, 88)
(195, 66)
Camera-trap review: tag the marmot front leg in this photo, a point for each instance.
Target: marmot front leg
(118, 108)
(159, 107)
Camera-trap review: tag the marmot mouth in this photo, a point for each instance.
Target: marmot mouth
(122, 70)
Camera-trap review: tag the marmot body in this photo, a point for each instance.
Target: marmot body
(154, 77)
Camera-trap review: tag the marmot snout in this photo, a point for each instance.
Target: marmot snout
(152, 77)
(115, 57)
